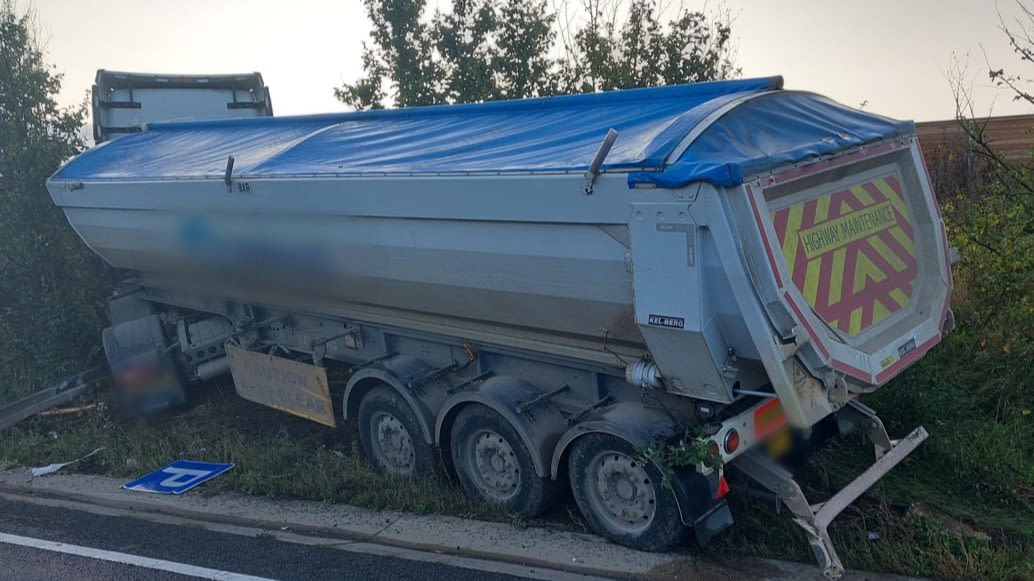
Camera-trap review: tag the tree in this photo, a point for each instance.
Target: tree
(49, 283)
(642, 52)
(989, 213)
(483, 50)
(1021, 39)
(403, 46)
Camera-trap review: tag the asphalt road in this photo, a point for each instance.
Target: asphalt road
(178, 547)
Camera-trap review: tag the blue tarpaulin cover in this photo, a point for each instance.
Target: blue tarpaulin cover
(772, 128)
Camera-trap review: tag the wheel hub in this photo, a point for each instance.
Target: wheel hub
(394, 446)
(623, 491)
(497, 472)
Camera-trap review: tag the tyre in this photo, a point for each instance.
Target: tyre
(390, 435)
(622, 498)
(493, 465)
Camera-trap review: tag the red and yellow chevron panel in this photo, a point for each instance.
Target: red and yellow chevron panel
(851, 253)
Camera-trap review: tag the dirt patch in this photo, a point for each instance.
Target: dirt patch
(949, 523)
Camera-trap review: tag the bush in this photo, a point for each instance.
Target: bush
(973, 392)
(51, 286)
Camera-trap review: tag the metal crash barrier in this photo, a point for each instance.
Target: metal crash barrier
(64, 391)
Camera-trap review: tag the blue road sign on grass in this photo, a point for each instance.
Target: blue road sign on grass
(178, 477)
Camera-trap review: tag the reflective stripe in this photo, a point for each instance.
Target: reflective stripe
(851, 253)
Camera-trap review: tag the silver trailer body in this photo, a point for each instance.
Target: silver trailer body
(742, 248)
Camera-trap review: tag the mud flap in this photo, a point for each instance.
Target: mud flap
(714, 521)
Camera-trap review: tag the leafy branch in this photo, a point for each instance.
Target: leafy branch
(689, 450)
(482, 50)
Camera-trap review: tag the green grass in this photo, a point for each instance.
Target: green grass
(953, 510)
(276, 455)
(960, 507)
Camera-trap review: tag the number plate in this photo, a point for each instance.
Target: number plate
(779, 442)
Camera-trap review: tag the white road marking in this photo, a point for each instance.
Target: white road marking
(127, 559)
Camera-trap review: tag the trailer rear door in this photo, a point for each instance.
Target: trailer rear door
(857, 254)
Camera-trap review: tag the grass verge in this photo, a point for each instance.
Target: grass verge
(960, 507)
(939, 514)
(276, 455)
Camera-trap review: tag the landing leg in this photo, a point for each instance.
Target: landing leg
(815, 518)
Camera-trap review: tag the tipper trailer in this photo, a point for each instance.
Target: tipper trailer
(626, 293)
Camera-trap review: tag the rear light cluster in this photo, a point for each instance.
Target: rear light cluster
(133, 374)
(732, 441)
(730, 444)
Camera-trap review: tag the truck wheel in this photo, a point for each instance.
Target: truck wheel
(622, 498)
(493, 464)
(390, 434)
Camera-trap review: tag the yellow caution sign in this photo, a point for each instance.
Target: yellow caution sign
(851, 252)
(283, 384)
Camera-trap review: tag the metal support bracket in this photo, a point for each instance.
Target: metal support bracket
(606, 400)
(373, 361)
(856, 414)
(815, 518)
(228, 174)
(601, 154)
(469, 382)
(349, 332)
(431, 375)
(316, 345)
(524, 407)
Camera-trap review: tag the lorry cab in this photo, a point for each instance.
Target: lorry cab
(123, 103)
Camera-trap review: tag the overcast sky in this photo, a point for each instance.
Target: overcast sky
(894, 54)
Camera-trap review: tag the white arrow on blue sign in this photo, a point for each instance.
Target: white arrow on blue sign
(178, 477)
